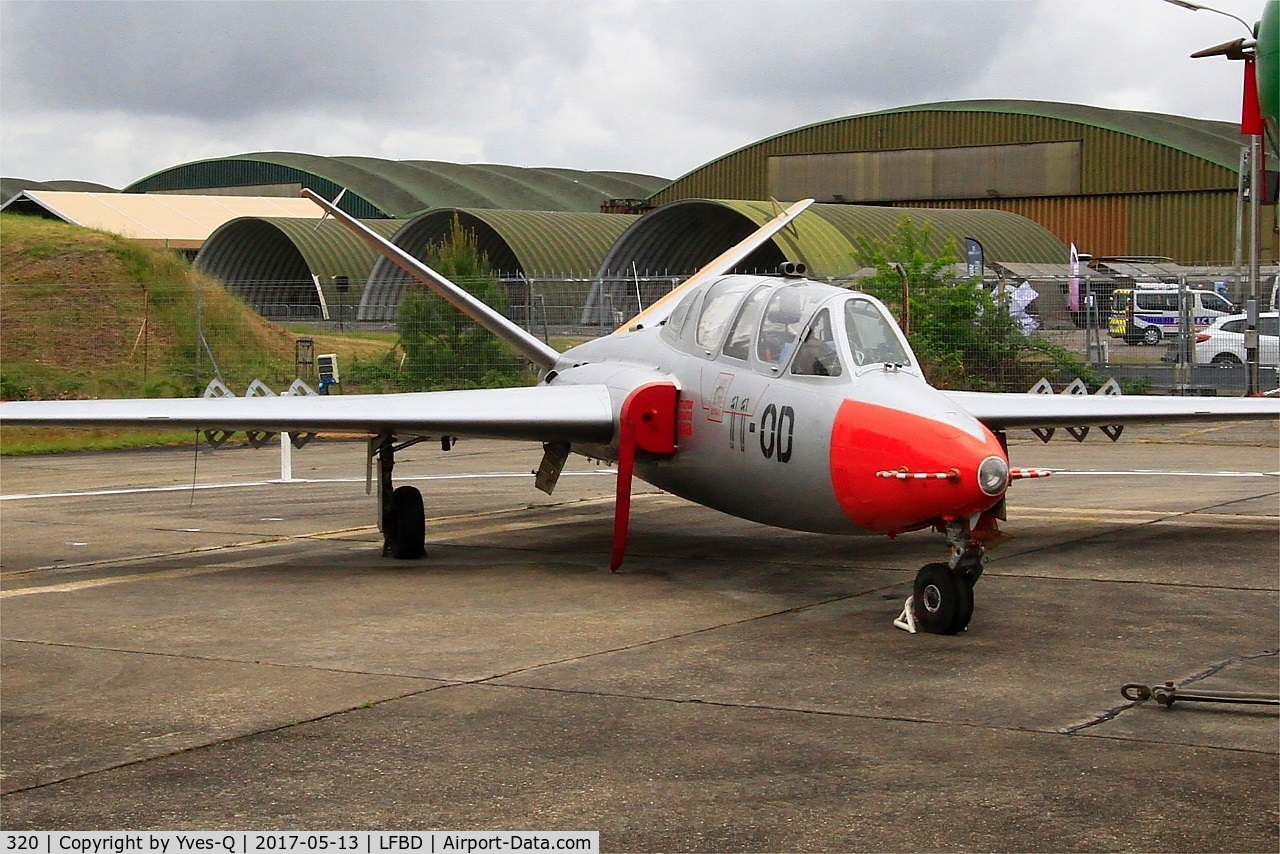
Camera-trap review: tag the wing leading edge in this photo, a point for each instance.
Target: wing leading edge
(540, 413)
(1064, 410)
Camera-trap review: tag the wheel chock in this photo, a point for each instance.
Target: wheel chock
(907, 619)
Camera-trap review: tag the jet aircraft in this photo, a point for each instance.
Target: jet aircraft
(778, 399)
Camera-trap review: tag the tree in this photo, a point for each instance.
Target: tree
(961, 336)
(443, 347)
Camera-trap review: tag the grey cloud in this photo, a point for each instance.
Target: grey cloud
(611, 84)
(226, 60)
(839, 52)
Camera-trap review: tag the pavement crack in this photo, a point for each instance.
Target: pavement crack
(1114, 712)
(1109, 715)
(218, 659)
(1145, 523)
(231, 739)
(851, 715)
(679, 635)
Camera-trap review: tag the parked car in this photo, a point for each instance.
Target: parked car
(1222, 342)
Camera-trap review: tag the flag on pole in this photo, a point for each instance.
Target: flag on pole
(1251, 108)
(973, 257)
(1073, 284)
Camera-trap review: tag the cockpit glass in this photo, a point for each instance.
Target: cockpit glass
(738, 344)
(679, 314)
(787, 310)
(718, 309)
(817, 355)
(872, 339)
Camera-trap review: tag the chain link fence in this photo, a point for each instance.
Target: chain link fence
(118, 340)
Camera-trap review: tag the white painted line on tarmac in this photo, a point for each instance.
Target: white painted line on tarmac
(137, 490)
(164, 574)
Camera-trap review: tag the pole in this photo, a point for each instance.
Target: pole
(146, 330)
(1252, 351)
(1237, 291)
(199, 333)
(906, 298)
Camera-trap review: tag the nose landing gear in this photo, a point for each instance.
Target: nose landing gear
(941, 600)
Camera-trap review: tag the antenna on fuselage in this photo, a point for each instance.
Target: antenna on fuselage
(635, 274)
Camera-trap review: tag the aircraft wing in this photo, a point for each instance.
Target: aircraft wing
(1068, 410)
(581, 413)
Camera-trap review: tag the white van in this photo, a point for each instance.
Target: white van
(1145, 314)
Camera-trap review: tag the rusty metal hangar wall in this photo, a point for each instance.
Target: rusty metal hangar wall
(1114, 182)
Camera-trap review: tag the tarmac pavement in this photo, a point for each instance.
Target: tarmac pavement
(239, 656)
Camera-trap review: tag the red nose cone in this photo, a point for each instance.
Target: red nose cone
(935, 464)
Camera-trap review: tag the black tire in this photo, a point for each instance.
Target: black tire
(1152, 335)
(404, 527)
(942, 601)
(965, 612)
(1227, 359)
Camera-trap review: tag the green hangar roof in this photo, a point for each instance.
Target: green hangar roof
(379, 188)
(285, 267)
(1116, 160)
(10, 187)
(531, 244)
(681, 237)
(1113, 182)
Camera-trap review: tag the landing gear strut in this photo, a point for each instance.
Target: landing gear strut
(400, 511)
(942, 598)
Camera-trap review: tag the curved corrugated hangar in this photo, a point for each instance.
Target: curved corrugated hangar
(288, 268)
(682, 236)
(518, 245)
(10, 187)
(378, 189)
(1114, 182)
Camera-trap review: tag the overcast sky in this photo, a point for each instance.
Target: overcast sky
(114, 91)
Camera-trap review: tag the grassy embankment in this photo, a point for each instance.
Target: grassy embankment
(85, 314)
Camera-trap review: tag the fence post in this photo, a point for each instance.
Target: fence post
(199, 330)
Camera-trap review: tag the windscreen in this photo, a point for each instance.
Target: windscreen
(873, 338)
(817, 355)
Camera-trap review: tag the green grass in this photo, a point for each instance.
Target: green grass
(19, 441)
(85, 314)
(388, 337)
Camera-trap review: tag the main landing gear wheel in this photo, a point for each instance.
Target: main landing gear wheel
(404, 526)
(942, 600)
